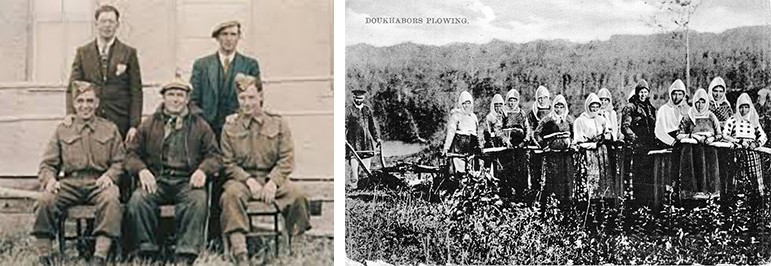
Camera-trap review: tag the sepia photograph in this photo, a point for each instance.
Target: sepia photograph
(557, 132)
(176, 132)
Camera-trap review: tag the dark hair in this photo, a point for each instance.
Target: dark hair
(106, 8)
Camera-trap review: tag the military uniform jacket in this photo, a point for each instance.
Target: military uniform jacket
(214, 91)
(94, 147)
(259, 147)
(119, 88)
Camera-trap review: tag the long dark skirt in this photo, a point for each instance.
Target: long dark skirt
(514, 172)
(649, 175)
(557, 175)
(596, 178)
(463, 144)
(699, 170)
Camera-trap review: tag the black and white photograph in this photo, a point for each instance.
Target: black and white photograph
(174, 132)
(557, 132)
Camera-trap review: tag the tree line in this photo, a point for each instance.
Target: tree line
(413, 87)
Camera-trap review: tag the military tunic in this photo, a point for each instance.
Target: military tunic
(259, 147)
(84, 151)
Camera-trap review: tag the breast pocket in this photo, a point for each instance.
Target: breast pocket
(72, 151)
(268, 140)
(239, 144)
(101, 148)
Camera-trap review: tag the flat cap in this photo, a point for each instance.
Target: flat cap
(177, 83)
(224, 25)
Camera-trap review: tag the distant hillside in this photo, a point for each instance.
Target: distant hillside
(421, 82)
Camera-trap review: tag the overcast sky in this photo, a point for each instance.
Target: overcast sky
(523, 21)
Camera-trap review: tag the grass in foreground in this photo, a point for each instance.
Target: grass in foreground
(17, 248)
(402, 230)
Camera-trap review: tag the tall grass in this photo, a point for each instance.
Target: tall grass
(401, 229)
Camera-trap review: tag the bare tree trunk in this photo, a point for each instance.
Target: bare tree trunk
(687, 57)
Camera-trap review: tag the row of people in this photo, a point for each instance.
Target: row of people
(112, 68)
(174, 153)
(642, 127)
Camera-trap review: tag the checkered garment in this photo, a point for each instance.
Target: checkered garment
(750, 170)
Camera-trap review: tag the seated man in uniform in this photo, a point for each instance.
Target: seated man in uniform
(178, 147)
(90, 152)
(258, 156)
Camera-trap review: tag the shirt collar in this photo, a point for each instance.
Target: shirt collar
(223, 56)
(100, 44)
(247, 120)
(82, 124)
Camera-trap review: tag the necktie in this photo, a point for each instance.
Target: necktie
(227, 65)
(104, 60)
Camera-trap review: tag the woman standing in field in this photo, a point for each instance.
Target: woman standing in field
(541, 108)
(744, 131)
(515, 120)
(718, 104)
(462, 131)
(554, 134)
(615, 151)
(493, 131)
(589, 131)
(638, 119)
(515, 167)
(638, 122)
(607, 112)
(699, 171)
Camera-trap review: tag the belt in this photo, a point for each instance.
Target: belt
(84, 174)
(173, 172)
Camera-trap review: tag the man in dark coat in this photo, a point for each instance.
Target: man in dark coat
(361, 132)
(213, 76)
(113, 68)
(173, 154)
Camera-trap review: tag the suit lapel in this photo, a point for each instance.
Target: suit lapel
(92, 63)
(214, 73)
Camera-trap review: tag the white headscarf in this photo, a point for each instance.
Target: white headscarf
(496, 99)
(541, 91)
(515, 94)
(560, 99)
(678, 85)
(592, 98)
(465, 96)
(694, 113)
(752, 115)
(605, 93)
(717, 81)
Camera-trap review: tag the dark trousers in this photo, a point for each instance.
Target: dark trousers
(190, 217)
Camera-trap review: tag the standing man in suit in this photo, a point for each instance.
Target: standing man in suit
(213, 76)
(113, 68)
(214, 91)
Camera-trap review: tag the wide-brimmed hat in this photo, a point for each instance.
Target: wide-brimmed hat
(359, 92)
